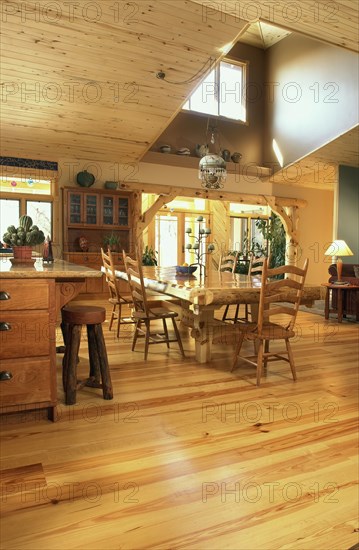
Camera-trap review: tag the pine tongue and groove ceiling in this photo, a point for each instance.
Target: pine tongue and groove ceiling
(87, 89)
(79, 81)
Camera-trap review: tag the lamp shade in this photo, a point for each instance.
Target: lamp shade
(338, 248)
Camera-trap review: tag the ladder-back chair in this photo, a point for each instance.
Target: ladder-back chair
(255, 269)
(116, 299)
(256, 265)
(264, 330)
(144, 313)
(228, 262)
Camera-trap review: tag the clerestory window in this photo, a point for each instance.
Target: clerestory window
(222, 92)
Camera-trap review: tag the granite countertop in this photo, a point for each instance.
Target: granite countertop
(40, 270)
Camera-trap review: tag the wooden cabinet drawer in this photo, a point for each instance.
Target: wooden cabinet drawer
(25, 334)
(30, 382)
(89, 259)
(15, 295)
(94, 285)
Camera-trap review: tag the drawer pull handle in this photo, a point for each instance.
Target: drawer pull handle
(5, 326)
(5, 375)
(4, 295)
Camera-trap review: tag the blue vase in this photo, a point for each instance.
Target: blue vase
(85, 179)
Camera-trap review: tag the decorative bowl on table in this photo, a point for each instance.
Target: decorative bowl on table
(185, 269)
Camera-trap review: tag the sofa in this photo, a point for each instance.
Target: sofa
(350, 297)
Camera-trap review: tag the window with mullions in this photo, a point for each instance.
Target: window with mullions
(39, 211)
(9, 214)
(221, 93)
(41, 214)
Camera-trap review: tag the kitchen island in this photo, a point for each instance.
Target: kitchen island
(31, 297)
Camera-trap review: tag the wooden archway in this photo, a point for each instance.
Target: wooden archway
(285, 207)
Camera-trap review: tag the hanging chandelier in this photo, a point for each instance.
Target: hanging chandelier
(212, 167)
(212, 171)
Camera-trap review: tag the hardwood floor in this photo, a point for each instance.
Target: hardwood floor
(191, 456)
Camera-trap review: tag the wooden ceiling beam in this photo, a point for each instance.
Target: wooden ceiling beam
(172, 191)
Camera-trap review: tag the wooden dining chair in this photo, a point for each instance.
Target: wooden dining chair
(265, 330)
(255, 269)
(256, 264)
(144, 313)
(116, 299)
(228, 262)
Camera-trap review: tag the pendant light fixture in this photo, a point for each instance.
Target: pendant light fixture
(212, 167)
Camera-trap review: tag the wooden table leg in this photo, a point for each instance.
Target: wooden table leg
(326, 303)
(203, 332)
(340, 305)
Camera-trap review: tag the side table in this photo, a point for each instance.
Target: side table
(340, 289)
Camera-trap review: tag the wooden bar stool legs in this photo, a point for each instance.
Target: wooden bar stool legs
(69, 363)
(74, 318)
(99, 367)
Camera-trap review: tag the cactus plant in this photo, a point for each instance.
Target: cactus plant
(24, 235)
(25, 222)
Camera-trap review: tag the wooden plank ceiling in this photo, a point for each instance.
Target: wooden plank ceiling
(79, 79)
(262, 35)
(334, 22)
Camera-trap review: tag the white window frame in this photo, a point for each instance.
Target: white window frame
(219, 91)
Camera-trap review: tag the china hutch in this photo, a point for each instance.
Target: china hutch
(95, 219)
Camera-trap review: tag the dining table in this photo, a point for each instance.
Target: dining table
(199, 296)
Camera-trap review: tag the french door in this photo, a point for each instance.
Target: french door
(171, 238)
(168, 239)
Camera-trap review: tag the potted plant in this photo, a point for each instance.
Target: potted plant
(274, 237)
(23, 238)
(112, 241)
(149, 256)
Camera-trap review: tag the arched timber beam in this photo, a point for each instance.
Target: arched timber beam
(147, 217)
(290, 222)
(168, 193)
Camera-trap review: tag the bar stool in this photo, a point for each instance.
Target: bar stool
(73, 317)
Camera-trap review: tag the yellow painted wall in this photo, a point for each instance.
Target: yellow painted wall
(316, 228)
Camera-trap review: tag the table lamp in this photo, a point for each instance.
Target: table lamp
(339, 248)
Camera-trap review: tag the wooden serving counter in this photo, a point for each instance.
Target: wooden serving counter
(31, 296)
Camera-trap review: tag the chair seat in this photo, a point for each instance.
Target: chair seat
(155, 313)
(125, 299)
(270, 331)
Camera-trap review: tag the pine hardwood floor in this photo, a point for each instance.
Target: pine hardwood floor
(191, 456)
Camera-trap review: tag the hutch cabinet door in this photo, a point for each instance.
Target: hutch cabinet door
(122, 211)
(91, 209)
(75, 208)
(83, 208)
(108, 210)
